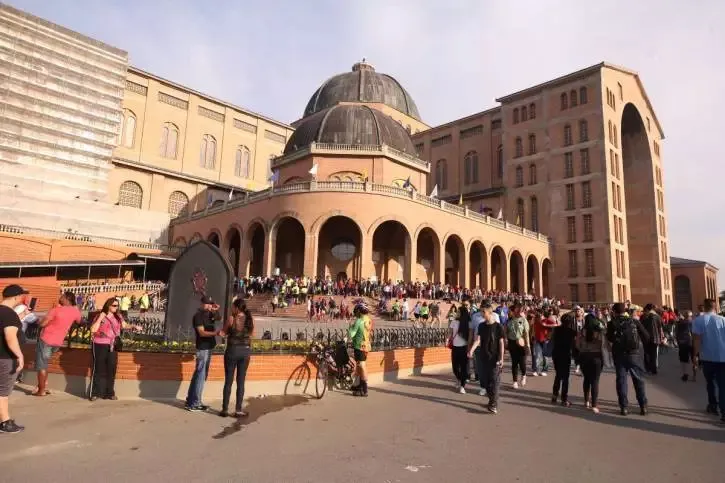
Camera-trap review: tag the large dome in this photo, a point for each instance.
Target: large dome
(355, 124)
(363, 84)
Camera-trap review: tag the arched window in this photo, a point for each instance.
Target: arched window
(567, 135)
(532, 174)
(241, 162)
(442, 174)
(610, 131)
(470, 163)
(583, 97)
(532, 111)
(519, 176)
(169, 141)
(130, 194)
(519, 147)
(129, 129)
(532, 143)
(520, 212)
(178, 202)
(583, 131)
(564, 101)
(499, 161)
(534, 213)
(572, 98)
(516, 115)
(207, 153)
(524, 114)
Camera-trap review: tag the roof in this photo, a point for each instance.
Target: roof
(457, 122)
(98, 263)
(143, 73)
(583, 73)
(675, 261)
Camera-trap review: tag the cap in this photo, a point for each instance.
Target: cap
(13, 291)
(205, 299)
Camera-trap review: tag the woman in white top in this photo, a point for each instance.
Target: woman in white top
(459, 347)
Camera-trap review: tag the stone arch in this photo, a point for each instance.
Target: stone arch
(642, 221)
(499, 269)
(533, 278)
(428, 253)
(683, 292)
(547, 273)
(195, 238)
(517, 269)
(455, 259)
(274, 224)
(478, 263)
(288, 239)
(257, 248)
(339, 247)
(316, 226)
(180, 242)
(232, 246)
(391, 254)
(215, 238)
(385, 218)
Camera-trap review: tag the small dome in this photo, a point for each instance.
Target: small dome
(351, 124)
(363, 84)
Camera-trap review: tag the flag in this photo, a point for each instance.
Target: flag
(313, 170)
(481, 209)
(460, 200)
(209, 198)
(231, 193)
(434, 192)
(365, 175)
(500, 214)
(407, 184)
(274, 178)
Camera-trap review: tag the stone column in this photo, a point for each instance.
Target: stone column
(310, 256)
(367, 268)
(411, 256)
(440, 263)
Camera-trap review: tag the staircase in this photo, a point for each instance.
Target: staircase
(261, 304)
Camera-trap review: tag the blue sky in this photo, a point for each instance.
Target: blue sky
(454, 57)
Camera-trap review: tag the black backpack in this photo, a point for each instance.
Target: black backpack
(626, 336)
(683, 332)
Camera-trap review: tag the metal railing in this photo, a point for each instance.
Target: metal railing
(331, 148)
(358, 187)
(115, 287)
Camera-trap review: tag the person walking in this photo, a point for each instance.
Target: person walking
(709, 346)
(517, 335)
(238, 330)
(652, 322)
(458, 342)
(11, 356)
(488, 347)
(626, 335)
(589, 344)
(563, 340)
(106, 338)
(203, 322)
(685, 349)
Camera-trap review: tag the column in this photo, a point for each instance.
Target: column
(367, 268)
(411, 256)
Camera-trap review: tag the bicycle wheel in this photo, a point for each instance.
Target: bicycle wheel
(321, 380)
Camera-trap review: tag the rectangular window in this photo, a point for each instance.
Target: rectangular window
(619, 198)
(619, 264)
(570, 197)
(616, 164)
(571, 229)
(616, 228)
(612, 168)
(621, 91)
(567, 135)
(441, 141)
(589, 262)
(624, 265)
(496, 124)
(659, 200)
(614, 195)
(574, 293)
(591, 292)
(568, 165)
(586, 194)
(621, 230)
(583, 131)
(472, 131)
(588, 228)
(573, 267)
(584, 161)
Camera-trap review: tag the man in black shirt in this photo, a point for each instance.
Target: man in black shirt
(11, 357)
(206, 333)
(652, 322)
(490, 337)
(627, 336)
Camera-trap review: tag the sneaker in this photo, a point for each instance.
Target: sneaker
(461, 390)
(595, 410)
(515, 385)
(578, 371)
(523, 381)
(643, 411)
(492, 409)
(10, 427)
(224, 413)
(684, 377)
(554, 399)
(623, 411)
(535, 374)
(566, 404)
(194, 409)
(543, 374)
(482, 392)
(711, 410)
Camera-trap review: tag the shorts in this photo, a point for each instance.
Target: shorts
(43, 353)
(7, 376)
(360, 356)
(424, 316)
(686, 353)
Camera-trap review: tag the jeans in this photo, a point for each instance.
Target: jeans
(714, 373)
(235, 359)
(518, 359)
(103, 378)
(539, 360)
(490, 376)
(629, 364)
(459, 360)
(651, 358)
(591, 366)
(562, 366)
(201, 371)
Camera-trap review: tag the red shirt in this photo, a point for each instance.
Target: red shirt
(542, 328)
(60, 319)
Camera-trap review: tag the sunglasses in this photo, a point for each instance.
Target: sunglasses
(114, 305)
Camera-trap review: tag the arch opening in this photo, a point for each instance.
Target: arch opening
(391, 251)
(516, 266)
(339, 248)
(427, 261)
(233, 247)
(533, 286)
(214, 239)
(546, 276)
(256, 250)
(289, 247)
(499, 278)
(683, 293)
(478, 268)
(454, 261)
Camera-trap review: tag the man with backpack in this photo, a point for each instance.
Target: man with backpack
(627, 335)
(653, 324)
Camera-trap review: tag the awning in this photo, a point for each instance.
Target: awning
(154, 257)
(100, 263)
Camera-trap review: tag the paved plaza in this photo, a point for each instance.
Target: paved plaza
(414, 430)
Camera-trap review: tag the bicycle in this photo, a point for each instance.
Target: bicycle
(332, 363)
